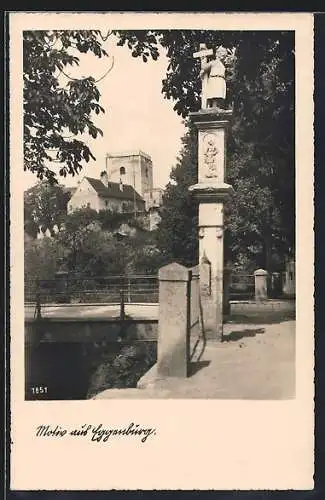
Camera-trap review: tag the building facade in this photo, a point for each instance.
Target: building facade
(153, 198)
(101, 194)
(126, 185)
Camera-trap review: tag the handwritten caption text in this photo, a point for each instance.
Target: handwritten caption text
(97, 433)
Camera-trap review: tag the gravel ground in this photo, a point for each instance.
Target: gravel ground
(255, 361)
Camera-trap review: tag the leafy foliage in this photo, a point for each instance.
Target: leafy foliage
(88, 246)
(52, 110)
(41, 258)
(255, 233)
(124, 368)
(141, 43)
(45, 206)
(261, 163)
(177, 236)
(256, 230)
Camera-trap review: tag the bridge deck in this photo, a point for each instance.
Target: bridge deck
(145, 311)
(94, 311)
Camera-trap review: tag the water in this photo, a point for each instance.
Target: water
(59, 368)
(75, 370)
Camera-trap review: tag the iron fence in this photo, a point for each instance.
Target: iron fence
(103, 289)
(108, 289)
(241, 286)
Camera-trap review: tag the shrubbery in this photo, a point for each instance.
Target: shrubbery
(85, 247)
(123, 369)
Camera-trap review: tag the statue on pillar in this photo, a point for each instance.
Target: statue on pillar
(213, 77)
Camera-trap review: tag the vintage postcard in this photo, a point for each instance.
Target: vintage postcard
(161, 243)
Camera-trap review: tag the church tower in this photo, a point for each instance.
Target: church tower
(133, 168)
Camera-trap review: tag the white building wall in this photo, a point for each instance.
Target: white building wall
(153, 198)
(154, 219)
(115, 205)
(84, 196)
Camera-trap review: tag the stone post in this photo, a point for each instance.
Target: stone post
(195, 304)
(226, 291)
(260, 284)
(174, 321)
(211, 193)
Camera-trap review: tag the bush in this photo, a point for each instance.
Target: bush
(41, 258)
(124, 369)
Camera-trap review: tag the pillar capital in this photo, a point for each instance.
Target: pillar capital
(211, 192)
(174, 272)
(260, 272)
(211, 118)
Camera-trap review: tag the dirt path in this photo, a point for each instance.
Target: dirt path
(256, 361)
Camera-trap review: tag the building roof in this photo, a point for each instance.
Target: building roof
(113, 190)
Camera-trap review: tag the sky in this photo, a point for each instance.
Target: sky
(136, 114)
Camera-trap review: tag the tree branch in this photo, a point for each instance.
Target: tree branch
(85, 78)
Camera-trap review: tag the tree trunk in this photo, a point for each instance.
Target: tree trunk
(268, 254)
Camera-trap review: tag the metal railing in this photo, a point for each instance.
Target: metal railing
(103, 289)
(108, 289)
(241, 286)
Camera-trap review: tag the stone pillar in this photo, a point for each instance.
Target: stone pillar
(195, 328)
(226, 291)
(260, 284)
(211, 192)
(174, 321)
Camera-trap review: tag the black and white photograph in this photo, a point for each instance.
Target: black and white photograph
(158, 205)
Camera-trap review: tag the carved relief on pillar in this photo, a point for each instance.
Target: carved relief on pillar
(219, 232)
(205, 276)
(210, 155)
(201, 232)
